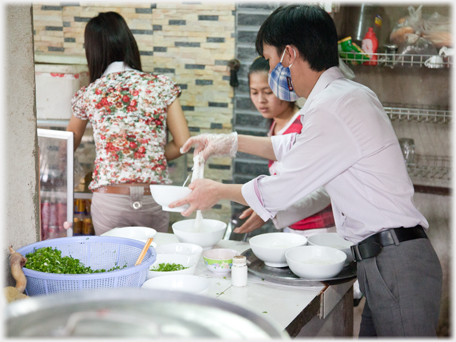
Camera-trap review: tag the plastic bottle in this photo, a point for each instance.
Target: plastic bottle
(370, 45)
(239, 271)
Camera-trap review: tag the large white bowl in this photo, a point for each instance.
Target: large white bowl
(135, 233)
(208, 235)
(219, 260)
(183, 283)
(184, 260)
(333, 240)
(189, 249)
(271, 247)
(166, 194)
(315, 262)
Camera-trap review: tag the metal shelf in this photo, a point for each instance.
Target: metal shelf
(394, 60)
(430, 167)
(427, 114)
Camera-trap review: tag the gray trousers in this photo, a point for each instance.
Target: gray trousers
(403, 287)
(114, 210)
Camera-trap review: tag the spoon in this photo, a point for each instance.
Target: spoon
(188, 177)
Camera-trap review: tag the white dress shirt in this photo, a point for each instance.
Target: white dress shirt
(347, 145)
(305, 207)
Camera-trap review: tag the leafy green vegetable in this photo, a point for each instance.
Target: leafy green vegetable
(167, 267)
(50, 260)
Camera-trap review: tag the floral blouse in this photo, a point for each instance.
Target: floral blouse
(127, 111)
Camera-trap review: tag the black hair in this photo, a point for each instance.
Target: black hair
(259, 64)
(108, 39)
(310, 28)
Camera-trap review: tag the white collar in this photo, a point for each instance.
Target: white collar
(116, 67)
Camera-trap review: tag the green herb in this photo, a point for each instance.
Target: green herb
(50, 260)
(167, 267)
(224, 277)
(264, 312)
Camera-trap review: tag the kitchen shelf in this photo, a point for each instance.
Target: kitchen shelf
(394, 60)
(427, 114)
(432, 168)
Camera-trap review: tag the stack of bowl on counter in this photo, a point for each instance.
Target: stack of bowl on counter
(319, 257)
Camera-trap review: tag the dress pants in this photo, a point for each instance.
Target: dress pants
(403, 287)
(114, 210)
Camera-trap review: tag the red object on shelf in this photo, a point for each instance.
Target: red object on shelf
(370, 45)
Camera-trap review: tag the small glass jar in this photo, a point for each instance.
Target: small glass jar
(239, 271)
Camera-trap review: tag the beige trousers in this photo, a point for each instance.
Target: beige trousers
(114, 210)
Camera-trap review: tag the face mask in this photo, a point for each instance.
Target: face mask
(280, 82)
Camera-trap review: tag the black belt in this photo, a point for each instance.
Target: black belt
(373, 245)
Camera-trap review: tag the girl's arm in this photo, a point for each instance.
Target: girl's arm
(77, 126)
(177, 126)
(259, 146)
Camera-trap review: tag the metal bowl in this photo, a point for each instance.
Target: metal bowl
(133, 313)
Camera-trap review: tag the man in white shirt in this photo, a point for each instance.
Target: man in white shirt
(348, 146)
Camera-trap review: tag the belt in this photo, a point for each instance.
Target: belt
(121, 190)
(373, 245)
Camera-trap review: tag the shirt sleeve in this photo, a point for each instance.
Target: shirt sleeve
(281, 144)
(78, 104)
(305, 207)
(323, 150)
(171, 91)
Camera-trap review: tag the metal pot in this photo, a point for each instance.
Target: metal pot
(130, 312)
(359, 18)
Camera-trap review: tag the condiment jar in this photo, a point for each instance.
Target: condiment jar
(239, 271)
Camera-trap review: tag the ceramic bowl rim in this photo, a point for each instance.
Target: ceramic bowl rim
(338, 252)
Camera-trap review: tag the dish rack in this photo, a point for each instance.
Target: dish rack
(98, 252)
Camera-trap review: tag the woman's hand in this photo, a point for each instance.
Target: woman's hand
(252, 223)
(212, 145)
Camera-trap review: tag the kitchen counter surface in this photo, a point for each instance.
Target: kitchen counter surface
(290, 306)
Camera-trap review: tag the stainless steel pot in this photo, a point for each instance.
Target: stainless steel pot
(360, 17)
(130, 312)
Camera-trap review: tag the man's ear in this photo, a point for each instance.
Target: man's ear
(292, 53)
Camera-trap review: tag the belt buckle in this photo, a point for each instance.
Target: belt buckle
(355, 253)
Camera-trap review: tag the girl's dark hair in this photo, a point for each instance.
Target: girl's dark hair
(108, 39)
(310, 28)
(259, 64)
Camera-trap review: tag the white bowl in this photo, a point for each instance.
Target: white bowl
(135, 233)
(333, 240)
(209, 234)
(219, 260)
(271, 247)
(166, 194)
(179, 282)
(188, 249)
(184, 260)
(315, 262)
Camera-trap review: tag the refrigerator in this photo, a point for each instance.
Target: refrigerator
(56, 183)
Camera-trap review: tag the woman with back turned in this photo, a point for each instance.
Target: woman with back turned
(130, 112)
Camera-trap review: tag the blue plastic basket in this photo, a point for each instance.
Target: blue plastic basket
(98, 252)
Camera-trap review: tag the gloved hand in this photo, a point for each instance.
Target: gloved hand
(212, 145)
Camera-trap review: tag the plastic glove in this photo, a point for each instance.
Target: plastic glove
(212, 145)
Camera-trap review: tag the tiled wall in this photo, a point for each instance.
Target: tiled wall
(190, 42)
